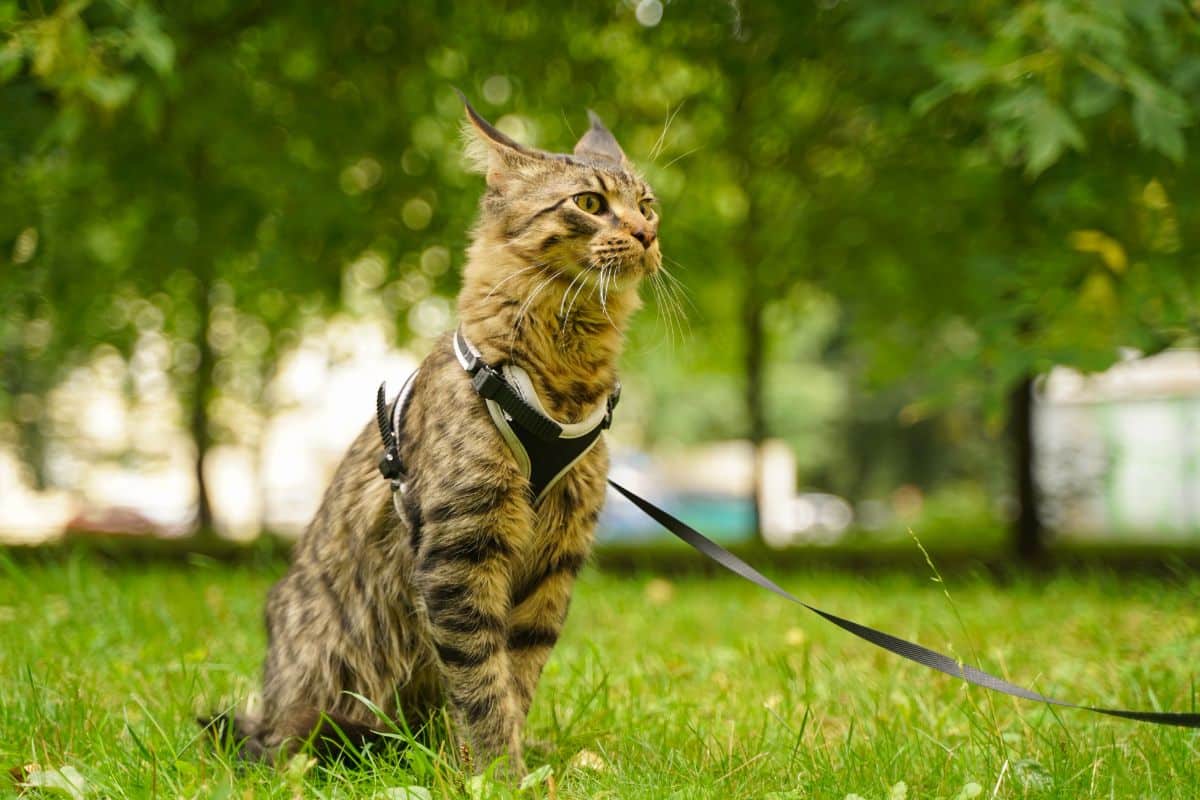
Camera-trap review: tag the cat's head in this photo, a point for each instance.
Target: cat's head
(588, 210)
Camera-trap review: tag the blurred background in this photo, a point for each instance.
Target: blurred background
(938, 259)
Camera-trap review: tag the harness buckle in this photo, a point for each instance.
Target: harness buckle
(390, 466)
(613, 399)
(487, 381)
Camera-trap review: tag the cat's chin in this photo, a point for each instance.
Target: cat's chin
(623, 272)
(589, 274)
(620, 278)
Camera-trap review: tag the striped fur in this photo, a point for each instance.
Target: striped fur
(460, 598)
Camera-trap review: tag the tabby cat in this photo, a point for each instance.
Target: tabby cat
(459, 597)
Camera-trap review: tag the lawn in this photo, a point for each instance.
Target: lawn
(694, 688)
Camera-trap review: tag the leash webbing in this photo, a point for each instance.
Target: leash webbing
(893, 644)
(491, 384)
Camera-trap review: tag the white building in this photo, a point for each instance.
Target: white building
(1119, 452)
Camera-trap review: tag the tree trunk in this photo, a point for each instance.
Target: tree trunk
(1028, 534)
(201, 435)
(753, 357)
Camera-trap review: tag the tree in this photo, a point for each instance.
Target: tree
(957, 198)
(222, 165)
(1071, 125)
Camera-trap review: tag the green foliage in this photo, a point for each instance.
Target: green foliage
(972, 194)
(1035, 75)
(1032, 232)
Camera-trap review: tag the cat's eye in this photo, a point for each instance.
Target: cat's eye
(647, 208)
(591, 202)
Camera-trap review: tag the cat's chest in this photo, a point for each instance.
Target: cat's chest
(565, 519)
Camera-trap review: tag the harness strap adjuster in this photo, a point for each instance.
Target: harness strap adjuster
(613, 399)
(487, 381)
(390, 465)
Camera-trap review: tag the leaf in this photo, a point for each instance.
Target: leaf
(403, 793)
(1099, 27)
(964, 75)
(1032, 776)
(1158, 128)
(929, 99)
(110, 93)
(586, 759)
(659, 591)
(297, 767)
(11, 56)
(66, 780)
(1093, 97)
(481, 787)
(538, 776)
(155, 47)
(1109, 249)
(1040, 125)
(969, 792)
(1051, 131)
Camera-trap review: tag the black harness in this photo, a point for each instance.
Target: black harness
(544, 448)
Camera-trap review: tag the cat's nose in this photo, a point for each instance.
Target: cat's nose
(644, 235)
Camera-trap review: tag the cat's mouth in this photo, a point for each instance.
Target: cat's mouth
(628, 262)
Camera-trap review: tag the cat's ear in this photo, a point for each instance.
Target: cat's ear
(493, 153)
(599, 143)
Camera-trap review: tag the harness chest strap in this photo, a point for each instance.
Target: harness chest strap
(544, 448)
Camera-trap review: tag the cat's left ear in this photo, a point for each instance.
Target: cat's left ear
(599, 143)
(493, 153)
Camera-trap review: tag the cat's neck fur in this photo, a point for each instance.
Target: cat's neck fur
(513, 311)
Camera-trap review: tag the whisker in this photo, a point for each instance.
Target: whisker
(567, 291)
(571, 305)
(509, 277)
(579, 282)
(682, 156)
(676, 262)
(524, 309)
(673, 313)
(567, 122)
(678, 287)
(656, 150)
(605, 275)
(665, 315)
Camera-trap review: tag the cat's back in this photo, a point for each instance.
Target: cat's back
(447, 444)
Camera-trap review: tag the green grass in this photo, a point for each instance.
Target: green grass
(701, 687)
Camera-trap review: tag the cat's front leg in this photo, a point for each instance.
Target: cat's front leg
(566, 526)
(465, 568)
(539, 611)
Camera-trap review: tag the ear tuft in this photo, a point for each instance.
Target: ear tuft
(598, 142)
(492, 152)
(485, 128)
(476, 153)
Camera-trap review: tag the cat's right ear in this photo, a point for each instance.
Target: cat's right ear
(491, 152)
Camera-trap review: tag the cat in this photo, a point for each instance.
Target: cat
(457, 594)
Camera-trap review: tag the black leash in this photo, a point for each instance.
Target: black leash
(893, 644)
(489, 383)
